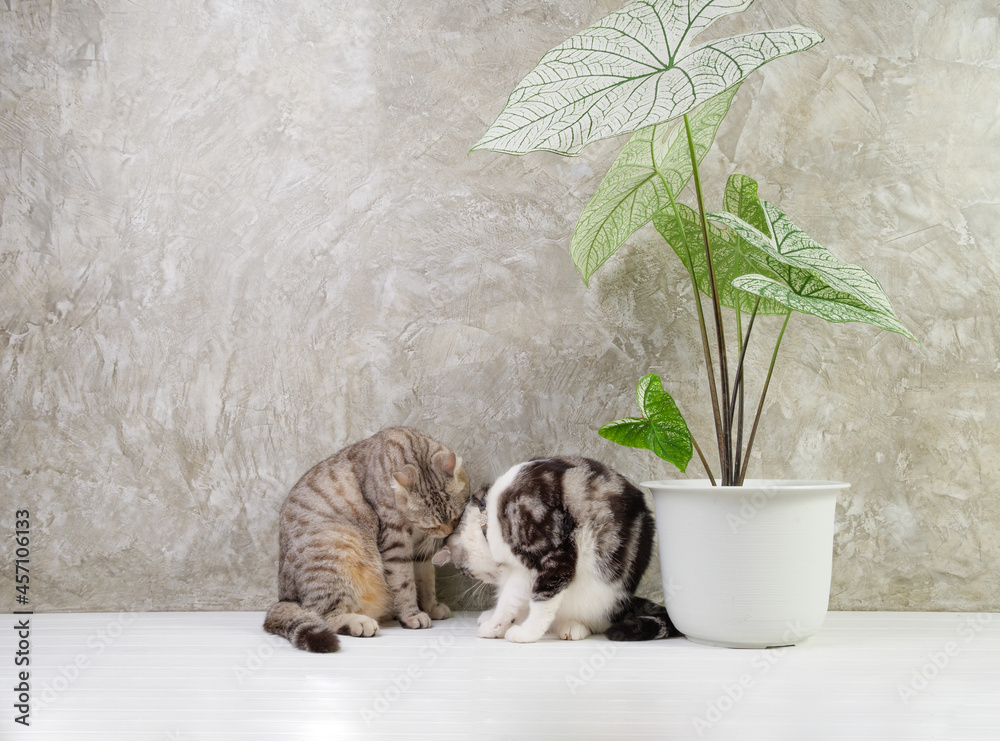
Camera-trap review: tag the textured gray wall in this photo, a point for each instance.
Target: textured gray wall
(235, 236)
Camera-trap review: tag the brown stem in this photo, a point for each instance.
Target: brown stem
(760, 406)
(704, 462)
(723, 425)
(738, 385)
(706, 346)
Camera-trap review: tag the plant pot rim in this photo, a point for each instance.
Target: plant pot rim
(788, 485)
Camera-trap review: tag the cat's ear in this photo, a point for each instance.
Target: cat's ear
(446, 462)
(403, 480)
(442, 557)
(459, 471)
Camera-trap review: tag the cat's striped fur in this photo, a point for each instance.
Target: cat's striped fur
(356, 534)
(566, 541)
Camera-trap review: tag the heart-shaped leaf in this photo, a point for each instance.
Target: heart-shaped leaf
(652, 169)
(634, 68)
(681, 228)
(661, 428)
(831, 310)
(741, 199)
(814, 277)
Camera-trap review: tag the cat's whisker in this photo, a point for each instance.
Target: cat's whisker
(482, 595)
(470, 590)
(427, 547)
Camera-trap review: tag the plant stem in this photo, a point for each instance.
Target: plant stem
(744, 344)
(706, 347)
(739, 386)
(738, 450)
(760, 406)
(704, 462)
(722, 429)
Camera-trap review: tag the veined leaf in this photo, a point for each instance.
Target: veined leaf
(810, 271)
(832, 311)
(800, 250)
(661, 429)
(741, 199)
(653, 167)
(681, 228)
(634, 68)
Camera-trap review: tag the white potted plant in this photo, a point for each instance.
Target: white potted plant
(744, 563)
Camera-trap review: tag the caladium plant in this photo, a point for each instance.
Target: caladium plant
(638, 71)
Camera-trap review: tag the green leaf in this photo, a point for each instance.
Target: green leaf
(681, 228)
(634, 68)
(661, 429)
(811, 273)
(832, 311)
(650, 171)
(741, 199)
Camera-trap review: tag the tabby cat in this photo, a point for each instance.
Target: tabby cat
(565, 540)
(355, 537)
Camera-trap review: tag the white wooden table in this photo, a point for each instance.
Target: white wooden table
(173, 676)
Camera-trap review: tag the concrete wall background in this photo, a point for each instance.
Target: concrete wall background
(236, 236)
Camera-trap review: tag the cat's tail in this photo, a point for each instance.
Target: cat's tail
(641, 620)
(305, 629)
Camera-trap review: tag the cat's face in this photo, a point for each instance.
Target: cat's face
(434, 498)
(468, 547)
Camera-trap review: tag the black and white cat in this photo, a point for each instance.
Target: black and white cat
(565, 540)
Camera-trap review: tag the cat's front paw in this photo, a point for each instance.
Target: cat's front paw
(485, 617)
(439, 612)
(415, 621)
(495, 628)
(522, 634)
(573, 631)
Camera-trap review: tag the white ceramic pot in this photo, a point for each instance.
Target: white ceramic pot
(746, 566)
